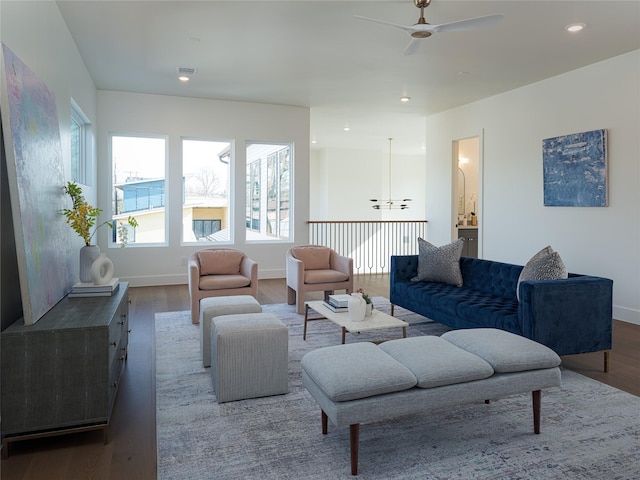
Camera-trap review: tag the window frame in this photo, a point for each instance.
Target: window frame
(167, 191)
(230, 192)
(270, 238)
(80, 173)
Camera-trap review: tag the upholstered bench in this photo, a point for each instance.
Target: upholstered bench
(363, 382)
(216, 306)
(249, 356)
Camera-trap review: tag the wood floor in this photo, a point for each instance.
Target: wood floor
(131, 453)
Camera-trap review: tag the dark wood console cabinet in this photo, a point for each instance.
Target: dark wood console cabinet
(61, 374)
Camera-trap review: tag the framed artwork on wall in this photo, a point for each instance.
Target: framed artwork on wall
(35, 174)
(575, 170)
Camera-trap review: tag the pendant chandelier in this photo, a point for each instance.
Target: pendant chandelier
(390, 204)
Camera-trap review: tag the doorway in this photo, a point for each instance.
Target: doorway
(466, 193)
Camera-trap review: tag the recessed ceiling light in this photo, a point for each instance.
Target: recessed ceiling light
(185, 73)
(347, 128)
(575, 27)
(405, 99)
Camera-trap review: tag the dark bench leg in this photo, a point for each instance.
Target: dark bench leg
(354, 438)
(606, 361)
(325, 421)
(536, 411)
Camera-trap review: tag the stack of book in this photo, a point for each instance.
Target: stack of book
(93, 290)
(338, 303)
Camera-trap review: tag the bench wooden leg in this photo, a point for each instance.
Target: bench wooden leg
(536, 411)
(325, 421)
(354, 438)
(606, 361)
(392, 309)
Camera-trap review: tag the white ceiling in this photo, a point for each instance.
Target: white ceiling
(348, 71)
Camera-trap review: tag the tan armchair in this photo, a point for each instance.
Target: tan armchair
(313, 268)
(217, 272)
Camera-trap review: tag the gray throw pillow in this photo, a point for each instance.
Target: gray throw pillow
(544, 265)
(439, 264)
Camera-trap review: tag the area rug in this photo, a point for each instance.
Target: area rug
(589, 430)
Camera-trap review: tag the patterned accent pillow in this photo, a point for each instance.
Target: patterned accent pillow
(544, 265)
(439, 264)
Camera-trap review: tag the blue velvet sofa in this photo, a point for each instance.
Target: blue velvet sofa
(570, 316)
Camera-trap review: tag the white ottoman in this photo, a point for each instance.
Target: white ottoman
(249, 356)
(216, 306)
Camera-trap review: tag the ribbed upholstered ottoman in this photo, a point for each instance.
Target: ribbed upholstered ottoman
(215, 307)
(249, 356)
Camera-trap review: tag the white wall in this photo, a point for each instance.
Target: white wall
(515, 224)
(343, 181)
(175, 117)
(38, 35)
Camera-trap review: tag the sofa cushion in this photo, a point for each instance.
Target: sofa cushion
(357, 370)
(314, 258)
(436, 362)
(439, 264)
(544, 265)
(219, 262)
(220, 282)
(504, 351)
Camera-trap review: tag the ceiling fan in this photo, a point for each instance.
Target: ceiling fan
(422, 29)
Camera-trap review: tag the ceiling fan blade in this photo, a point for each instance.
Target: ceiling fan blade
(469, 24)
(408, 29)
(412, 47)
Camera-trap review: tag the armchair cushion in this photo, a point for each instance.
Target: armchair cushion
(218, 282)
(314, 258)
(324, 276)
(219, 262)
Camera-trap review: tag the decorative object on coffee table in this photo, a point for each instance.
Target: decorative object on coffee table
(357, 307)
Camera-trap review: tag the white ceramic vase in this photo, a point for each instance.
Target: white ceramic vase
(357, 307)
(88, 254)
(101, 270)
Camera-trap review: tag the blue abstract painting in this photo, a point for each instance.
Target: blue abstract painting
(575, 170)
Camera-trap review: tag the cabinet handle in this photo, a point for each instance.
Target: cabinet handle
(121, 322)
(113, 344)
(114, 385)
(122, 358)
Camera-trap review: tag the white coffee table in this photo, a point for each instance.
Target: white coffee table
(376, 321)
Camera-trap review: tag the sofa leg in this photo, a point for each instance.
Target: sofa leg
(536, 411)
(606, 361)
(354, 439)
(325, 423)
(392, 309)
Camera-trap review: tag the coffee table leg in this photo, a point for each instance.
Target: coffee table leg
(344, 335)
(306, 316)
(404, 332)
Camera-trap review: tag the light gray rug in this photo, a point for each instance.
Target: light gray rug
(589, 430)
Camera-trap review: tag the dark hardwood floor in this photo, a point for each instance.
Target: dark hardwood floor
(131, 453)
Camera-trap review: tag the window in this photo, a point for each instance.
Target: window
(80, 134)
(268, 191)
(139, 189)
(206, 180)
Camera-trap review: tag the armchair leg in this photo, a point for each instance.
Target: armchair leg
(291, 296)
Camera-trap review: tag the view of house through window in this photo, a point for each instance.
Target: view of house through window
(138, 168)
(205, 200)
(268, 191)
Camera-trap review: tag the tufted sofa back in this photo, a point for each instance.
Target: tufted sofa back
(494, 278)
